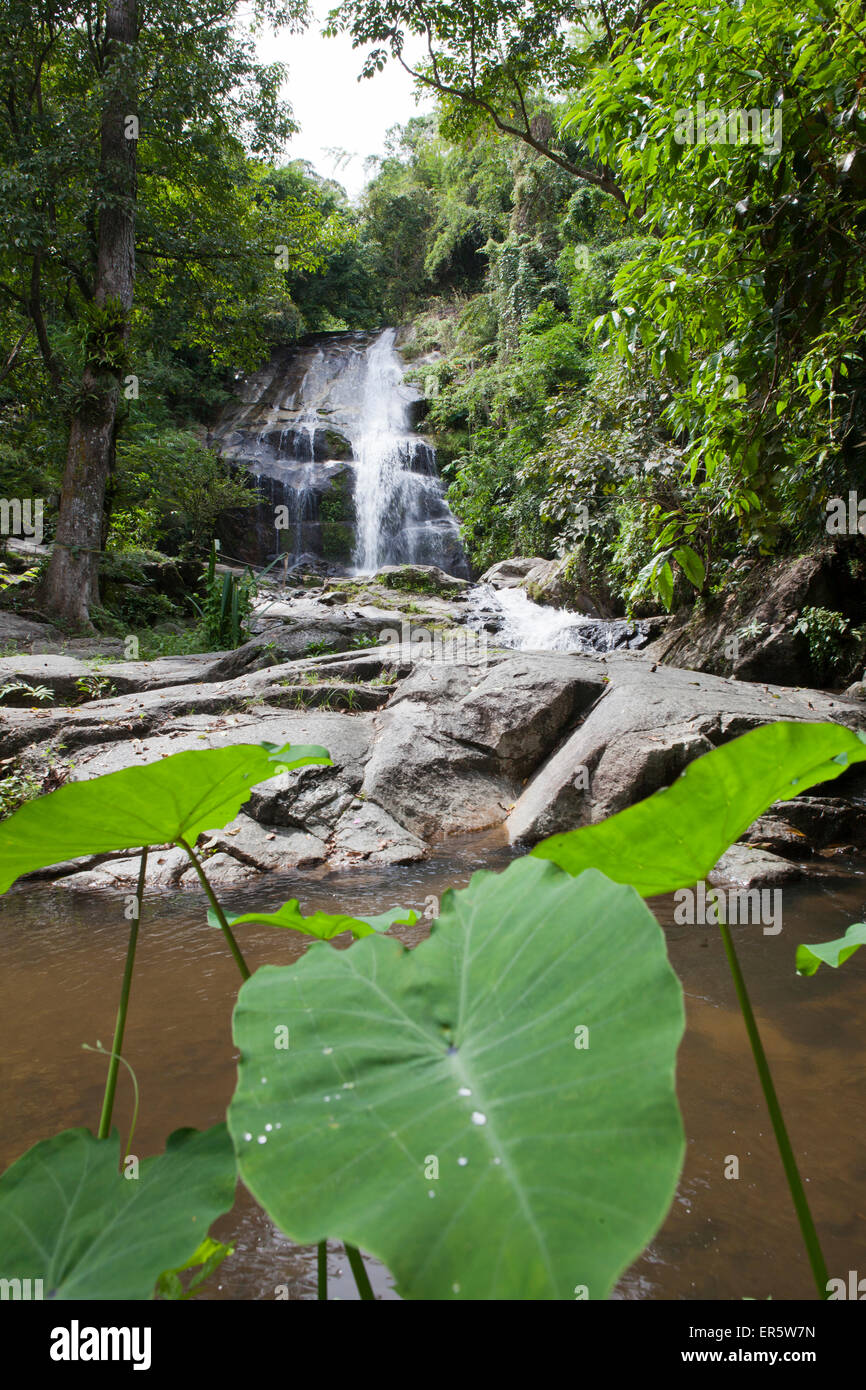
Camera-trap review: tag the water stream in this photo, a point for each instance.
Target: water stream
(61, 959)
(516, 621)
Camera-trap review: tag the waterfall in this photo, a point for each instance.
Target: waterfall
(380, 457)
(326, 429)
(401, 514)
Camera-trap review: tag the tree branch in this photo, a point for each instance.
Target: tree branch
(13, 356)
(605, 182)
(52, 366)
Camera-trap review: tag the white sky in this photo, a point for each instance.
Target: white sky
(333, 109)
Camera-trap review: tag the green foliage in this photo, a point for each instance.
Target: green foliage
(547, 1174)
(487, 62)
(166, 802)
(68, 1217)
(204, 1262)
(16, 788)
(171, 642)
(33, 692)
(23, 782)
(169, 490)
(95, 687)
(102, 331)
(225, 606)
(835, 953)
(9, 579)
(675, 837)
(833, 642)
(322, 925)
(748, 296)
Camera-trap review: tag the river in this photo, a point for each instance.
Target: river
(61, 958)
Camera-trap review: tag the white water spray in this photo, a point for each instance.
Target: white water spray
(402, 517)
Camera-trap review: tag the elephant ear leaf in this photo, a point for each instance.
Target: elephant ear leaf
(176, 798)
(835, 953)
(492, 1114)
(71, 1219)
(324, 925)
(676, 836)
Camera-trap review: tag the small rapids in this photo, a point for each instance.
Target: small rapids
(513, 620)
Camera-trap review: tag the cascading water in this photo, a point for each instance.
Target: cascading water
(515, 621)
(326, 430)
(401, 514)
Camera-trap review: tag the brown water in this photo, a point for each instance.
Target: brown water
(61, 959)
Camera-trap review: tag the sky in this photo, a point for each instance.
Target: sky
(334, 110)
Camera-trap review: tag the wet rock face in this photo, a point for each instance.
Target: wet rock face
(327, 431)
(762, 613)
(314, 506)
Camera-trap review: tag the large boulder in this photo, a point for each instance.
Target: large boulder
(510, 574)
(420, 579)
(456, 743)
(555, 584)
(23, 633)
(365, 831)
(650, 724)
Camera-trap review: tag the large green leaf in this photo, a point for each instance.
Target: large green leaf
(835, 953)
(676, 836)
(324, 925)
(71, 1219)
(556, 1161)
(176, 798)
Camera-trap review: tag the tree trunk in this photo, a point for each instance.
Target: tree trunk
(71, 583)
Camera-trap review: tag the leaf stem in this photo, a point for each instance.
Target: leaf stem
(322, 1269)
(135, 1092)
(122, 1008)
(220, 915)
(786, 1152)
(365, 1288)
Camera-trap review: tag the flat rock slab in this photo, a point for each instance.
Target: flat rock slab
(76, 681)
